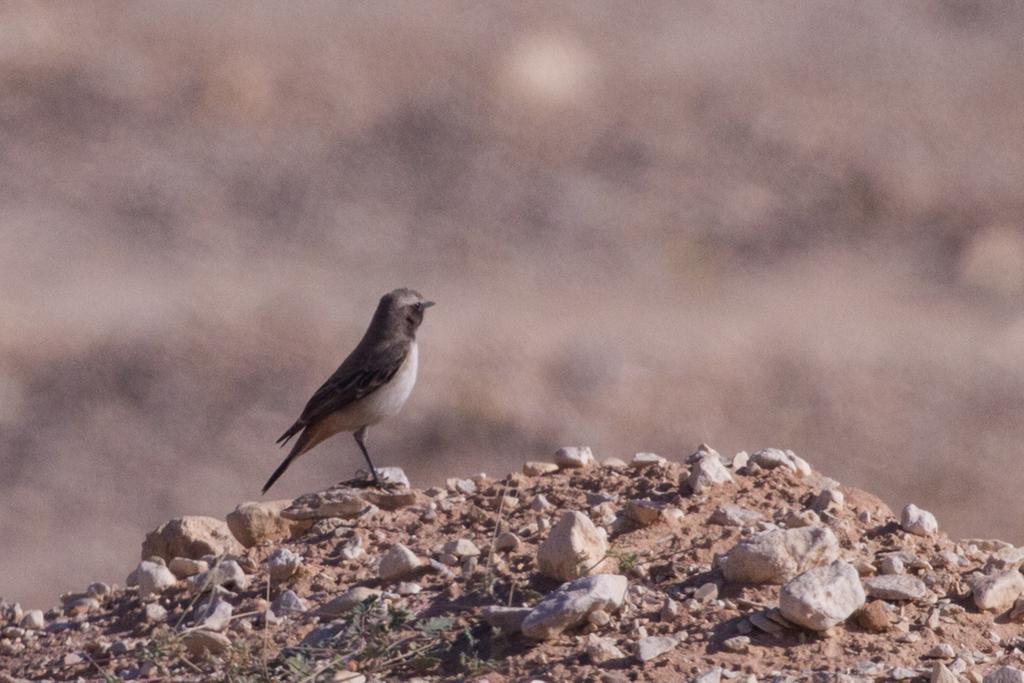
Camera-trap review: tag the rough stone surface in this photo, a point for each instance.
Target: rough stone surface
(573, 548)
(282, 563)
(570, 604)
(191, 537)
(287, 603)
(155, 613)
(153, 579)
(895, 587)
(1005, 674)
(338, 501)
(772, 458)
(397, 563)
(462, 548)
(574, 457)
(920, 522)
(780, 554)
(707, 472)
(33, 620)
(602, 650)
(652, 647)
(998, 592)
(733, 515)
(641, 460)
(536, 468)
(227, 574)
(260, 522)
(347, 600)
(822, 597)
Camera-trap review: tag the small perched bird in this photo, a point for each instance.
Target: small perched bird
(371, 384)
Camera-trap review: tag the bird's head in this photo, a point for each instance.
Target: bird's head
(404, 309)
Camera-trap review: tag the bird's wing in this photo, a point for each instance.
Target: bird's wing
(359, 376)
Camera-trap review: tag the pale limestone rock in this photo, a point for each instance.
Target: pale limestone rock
(153, 579)
(570, 604)
(998, 592)
(780, 554)
(919, 522)
(573, 548)
(190, 536)
(574, 457)
(254, 522)
(895, 587)
(282, 563)
(398, 562)
(822, 597)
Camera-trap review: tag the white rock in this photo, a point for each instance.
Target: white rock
(941, 651)
(778, 555)
(574, 457)
(706, 473)
(895, 587)
(1006, 674)
(771, 458)
(920, 522)
(540, 503)
(288, 603)
(822, 597)
(398, 562)
(712, 676)
(891, 564)
(940, 674)
(214, 615)
(155, 613)
(647, 460)
(733, 515)
(602, 650)
(573, 548)
(393, 476)
(570, 604)
(33, 620)
(227, 574)
(353, 548)
(740, 460)
(614, 463)
(153, 578)
(737, 644)
(653, 647)
(997, 592)
(462, 547)
(282, 563)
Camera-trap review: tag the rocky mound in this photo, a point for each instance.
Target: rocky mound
(754, 568)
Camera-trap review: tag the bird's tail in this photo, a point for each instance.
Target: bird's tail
(298, 449)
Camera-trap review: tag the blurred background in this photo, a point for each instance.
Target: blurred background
(752, 224)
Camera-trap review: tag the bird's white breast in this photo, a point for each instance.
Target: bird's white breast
(382, 403)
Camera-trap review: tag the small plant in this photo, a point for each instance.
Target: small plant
(627, 561)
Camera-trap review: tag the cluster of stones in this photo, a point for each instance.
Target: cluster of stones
(822, 583)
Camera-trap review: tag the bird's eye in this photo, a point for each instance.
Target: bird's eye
(418, 306)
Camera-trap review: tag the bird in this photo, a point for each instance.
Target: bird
(371, 385)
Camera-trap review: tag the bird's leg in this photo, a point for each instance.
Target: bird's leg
(360, 434)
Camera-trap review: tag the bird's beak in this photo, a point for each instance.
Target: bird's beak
(427, 304)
